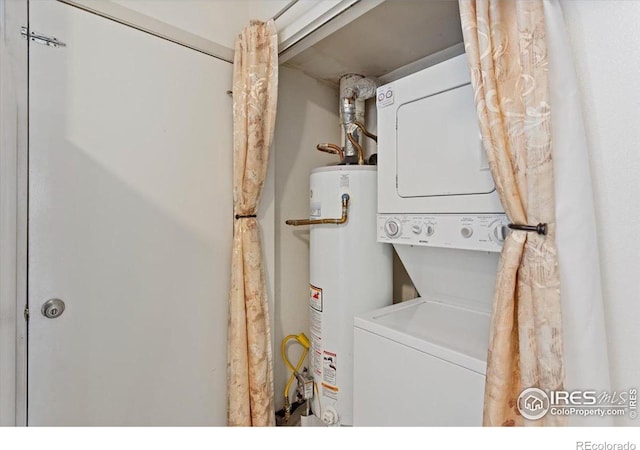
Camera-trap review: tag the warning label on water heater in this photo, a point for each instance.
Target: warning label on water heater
(316, 355)
(316, 322)
(315, 297)
(329, 367)
(330, 391)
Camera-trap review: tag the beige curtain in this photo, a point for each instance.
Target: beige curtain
(250, 367)
(505, 43)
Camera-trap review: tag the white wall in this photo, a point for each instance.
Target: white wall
(307, 115)
(13, 217)
(605, 38)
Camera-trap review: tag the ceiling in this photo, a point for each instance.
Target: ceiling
(389, 36)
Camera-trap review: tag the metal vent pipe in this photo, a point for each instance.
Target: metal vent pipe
(354, 90)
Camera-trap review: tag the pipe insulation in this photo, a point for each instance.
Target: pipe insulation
(354, 90)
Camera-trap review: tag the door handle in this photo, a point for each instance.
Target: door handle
(52, 309)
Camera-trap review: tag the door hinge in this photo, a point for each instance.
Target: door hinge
(26, 313)
(41, 38)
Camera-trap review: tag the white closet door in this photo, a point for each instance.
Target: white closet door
(130, 224)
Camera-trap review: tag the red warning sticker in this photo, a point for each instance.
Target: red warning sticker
(315, 297)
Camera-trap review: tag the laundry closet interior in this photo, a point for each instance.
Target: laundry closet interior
(379, 224)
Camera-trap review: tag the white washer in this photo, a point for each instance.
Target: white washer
(420, 363)
(423, 362)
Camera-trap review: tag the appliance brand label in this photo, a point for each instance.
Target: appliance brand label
(385, 96)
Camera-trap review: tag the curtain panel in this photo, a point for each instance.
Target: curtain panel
(250, 365)
(505, 42)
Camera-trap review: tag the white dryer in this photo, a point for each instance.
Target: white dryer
(423, 362)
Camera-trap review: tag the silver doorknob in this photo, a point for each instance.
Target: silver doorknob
(53, 308)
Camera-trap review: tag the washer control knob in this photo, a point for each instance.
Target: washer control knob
(392, 228)
(416, 228)
(466, 232)
(430, 229)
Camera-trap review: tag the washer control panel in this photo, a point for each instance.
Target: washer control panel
(485, 232)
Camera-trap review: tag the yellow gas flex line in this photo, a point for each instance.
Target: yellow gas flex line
(303, 340)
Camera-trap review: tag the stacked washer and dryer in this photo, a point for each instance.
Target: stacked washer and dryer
(423, 362)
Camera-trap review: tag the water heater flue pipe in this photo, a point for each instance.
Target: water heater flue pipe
(354, 90)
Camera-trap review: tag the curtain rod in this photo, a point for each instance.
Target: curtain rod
(277, 15)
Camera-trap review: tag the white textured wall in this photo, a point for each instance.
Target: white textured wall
(307, 115)
(605, 36)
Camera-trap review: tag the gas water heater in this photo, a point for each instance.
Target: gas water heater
(350, 274)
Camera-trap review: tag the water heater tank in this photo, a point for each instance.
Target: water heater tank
(350, 273)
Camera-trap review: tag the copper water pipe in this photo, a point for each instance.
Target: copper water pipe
(331, 148)
(364, 130)
(340, 221)
(358, 148)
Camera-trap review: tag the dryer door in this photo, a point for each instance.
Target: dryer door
(439, 148)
